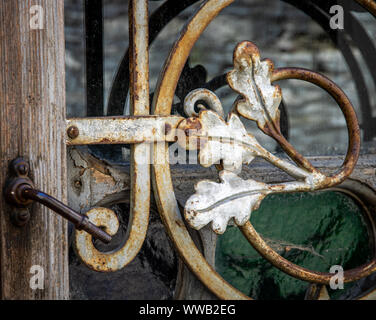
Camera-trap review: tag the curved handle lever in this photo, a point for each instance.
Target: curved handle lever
(20, 192)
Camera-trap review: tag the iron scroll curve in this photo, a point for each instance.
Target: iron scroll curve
(140, 168)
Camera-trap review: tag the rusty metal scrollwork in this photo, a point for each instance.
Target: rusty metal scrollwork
(162, 177)
(229, 142)
(234, 198)
(217, 139)
(140, 152)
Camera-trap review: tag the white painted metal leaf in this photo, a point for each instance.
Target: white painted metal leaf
(251, 78)
(218, 203)
(227, 141)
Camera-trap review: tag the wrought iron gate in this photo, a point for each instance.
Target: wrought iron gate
(219, 140)
(202, 126)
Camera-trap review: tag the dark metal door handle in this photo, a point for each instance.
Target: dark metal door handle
(20, 192)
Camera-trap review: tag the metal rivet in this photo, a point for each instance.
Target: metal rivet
(78, 184)
(73, 132)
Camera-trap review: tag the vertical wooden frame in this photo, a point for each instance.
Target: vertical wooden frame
(32, 116)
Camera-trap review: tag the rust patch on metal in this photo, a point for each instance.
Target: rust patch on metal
(191, 128)
(167, 129)
(191, 124)
(100, 177)
(180, 223)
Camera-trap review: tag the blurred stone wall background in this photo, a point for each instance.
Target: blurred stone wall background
(283, 34)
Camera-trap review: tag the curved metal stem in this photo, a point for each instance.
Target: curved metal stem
(162, 180)
(347, 110)
(296, 271)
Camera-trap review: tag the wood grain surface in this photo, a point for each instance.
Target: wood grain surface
(32, 113)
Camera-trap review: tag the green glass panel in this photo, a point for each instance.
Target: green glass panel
(313, 230)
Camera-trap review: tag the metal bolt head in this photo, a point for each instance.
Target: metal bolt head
(19, 167)
(20, 217)
(73, 132)
(22, 168)
(78, 184)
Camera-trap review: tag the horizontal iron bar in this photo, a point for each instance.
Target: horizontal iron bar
(121, 130)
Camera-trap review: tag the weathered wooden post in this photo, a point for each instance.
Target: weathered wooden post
(32, 114)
